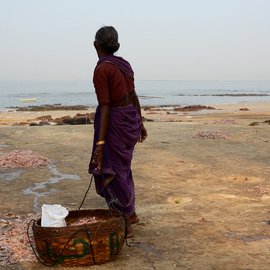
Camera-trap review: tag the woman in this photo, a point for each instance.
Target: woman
(118, 126)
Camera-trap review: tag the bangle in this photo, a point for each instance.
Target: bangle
(100, 142)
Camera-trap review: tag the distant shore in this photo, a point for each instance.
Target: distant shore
(170, 113)
(48, 107)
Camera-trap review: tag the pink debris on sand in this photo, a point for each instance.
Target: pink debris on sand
(14, 243)
(23, 159)
(211, 134)
(225, 121)
(258, 190)
(82, 221)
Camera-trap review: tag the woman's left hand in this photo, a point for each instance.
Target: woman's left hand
(98, 157)
(143, 134)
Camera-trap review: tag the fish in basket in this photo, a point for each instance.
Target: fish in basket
(90, 237)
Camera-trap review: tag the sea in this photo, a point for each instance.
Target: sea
(151, 93)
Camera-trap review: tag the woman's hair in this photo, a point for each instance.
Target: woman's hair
(107, 39)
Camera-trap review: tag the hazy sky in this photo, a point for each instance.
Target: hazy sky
(162, 39)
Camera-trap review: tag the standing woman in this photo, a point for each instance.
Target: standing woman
(118, 126)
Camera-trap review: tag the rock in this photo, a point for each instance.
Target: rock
(78, 119)
(148, 108)
(82, 119)
(44, 118)
(33, 124)
(41, 121)
(63, 120)
(21, 124)
(147, 120)
(254, 124)
(257, 123)
(44, 123)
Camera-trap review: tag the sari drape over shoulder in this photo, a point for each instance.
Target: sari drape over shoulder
(120, 62)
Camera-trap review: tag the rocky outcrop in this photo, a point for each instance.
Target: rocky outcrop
(46, 118)
(193, 108)
(63, 120)
(54, 107)
(259, 123)
(177, 108)
(78, 119)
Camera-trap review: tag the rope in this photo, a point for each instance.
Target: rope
(86, 193)
(113, 201)
(32, 246)
(90, 243)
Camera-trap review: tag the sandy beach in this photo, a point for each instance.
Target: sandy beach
(202, 185)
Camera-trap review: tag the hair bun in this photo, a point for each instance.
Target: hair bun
(107, 38)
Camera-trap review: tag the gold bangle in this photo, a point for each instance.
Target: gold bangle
(100, 142)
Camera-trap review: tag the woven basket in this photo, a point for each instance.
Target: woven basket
(91, 243)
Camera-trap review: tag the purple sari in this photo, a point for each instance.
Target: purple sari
(122, 135)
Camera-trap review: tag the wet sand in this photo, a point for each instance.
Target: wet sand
(203, 203)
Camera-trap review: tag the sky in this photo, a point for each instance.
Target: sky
(162, 39)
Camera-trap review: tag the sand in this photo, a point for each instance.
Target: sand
(203, 203)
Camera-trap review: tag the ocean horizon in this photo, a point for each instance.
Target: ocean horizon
(151, 92)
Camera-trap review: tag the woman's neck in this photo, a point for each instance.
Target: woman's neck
(102, 54)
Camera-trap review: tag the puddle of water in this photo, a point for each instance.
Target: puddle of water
(251, 238)
(148, 248)
(36, 188)
(4, 145)
(247, 238)
(10, 175)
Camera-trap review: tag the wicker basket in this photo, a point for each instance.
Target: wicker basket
(79, 245)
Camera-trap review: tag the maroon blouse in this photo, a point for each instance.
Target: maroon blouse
(111, 84)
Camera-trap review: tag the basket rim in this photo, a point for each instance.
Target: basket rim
(111, 216)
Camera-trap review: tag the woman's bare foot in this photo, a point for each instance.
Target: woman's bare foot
(130, 233)
(133, 218)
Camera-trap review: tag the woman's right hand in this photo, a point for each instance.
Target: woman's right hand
(98, 158)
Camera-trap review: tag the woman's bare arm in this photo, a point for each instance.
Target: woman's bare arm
(104, 123)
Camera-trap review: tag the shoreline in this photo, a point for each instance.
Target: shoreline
(159, 113)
